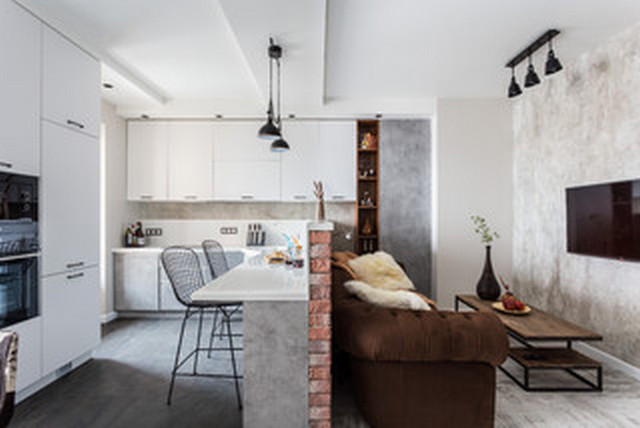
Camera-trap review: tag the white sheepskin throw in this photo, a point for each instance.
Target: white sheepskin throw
(380, 270)
(399, 299)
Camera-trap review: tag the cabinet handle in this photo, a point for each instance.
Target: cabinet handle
(299, 197)
(246, 197)
(146, 197)
(6, 164)
(191, 197)
(337, 197)
(75, 275)
(74, 123)
(74, 265)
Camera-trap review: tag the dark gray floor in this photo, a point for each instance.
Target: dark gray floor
(126, 385)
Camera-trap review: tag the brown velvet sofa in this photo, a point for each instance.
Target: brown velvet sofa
(418, 368)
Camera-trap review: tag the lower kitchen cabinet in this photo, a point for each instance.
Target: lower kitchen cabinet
(136, 276)
(29, 351)
(70, 317)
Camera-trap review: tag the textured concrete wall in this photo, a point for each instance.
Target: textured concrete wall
(276, 365)
(341, 214)
(405, 196)
(581, 126)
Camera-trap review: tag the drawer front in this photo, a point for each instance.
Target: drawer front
(71, 317)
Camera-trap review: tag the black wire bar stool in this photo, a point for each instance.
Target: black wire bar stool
(185, 275)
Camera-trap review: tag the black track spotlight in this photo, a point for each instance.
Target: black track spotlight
(514, 88)
(279, 146)
(553, 64)
(531, 79)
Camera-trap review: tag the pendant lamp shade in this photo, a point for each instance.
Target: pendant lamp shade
(531, 79)
(553, 64)
(280, 146)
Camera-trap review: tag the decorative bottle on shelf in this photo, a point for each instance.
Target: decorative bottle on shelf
(488, 287)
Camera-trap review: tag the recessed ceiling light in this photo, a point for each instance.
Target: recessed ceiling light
(107, 85)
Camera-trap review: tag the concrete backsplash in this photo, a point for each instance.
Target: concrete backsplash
(578, 127)
(341, 213)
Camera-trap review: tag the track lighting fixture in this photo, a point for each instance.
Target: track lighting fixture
(514, 88)
(272, 129)
(552, 64)
(531, 79)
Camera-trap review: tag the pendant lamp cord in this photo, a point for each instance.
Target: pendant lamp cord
(279, 95)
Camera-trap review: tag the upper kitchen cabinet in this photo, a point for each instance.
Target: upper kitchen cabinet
(71, 84)
(299, 165)
(320, 150)
(246, 181)
(190, 160)
(244, 168)
(337, 155)
(20, 89)
(70, 197)
(147, 160)
(238, 141)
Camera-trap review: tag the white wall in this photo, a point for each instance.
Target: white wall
(117, 211)
(474, 175)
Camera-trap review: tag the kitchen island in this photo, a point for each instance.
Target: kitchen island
(275, 327)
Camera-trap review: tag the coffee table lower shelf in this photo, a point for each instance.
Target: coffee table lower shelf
(566, 359)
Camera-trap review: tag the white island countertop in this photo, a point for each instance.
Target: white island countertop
(255, 280)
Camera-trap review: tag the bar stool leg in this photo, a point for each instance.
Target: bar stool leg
(213, 331)
(177, 358)
(195, 359)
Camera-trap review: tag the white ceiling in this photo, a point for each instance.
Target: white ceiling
(204, 57)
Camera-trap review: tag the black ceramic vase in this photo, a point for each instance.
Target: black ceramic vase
(488, 287)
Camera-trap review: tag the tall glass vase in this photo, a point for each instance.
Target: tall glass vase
(488, 287)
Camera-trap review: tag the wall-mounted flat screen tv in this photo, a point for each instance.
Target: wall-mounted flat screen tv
(604, 220)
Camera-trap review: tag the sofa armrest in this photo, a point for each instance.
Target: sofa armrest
(380, 334)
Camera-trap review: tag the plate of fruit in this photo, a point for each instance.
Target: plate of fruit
(509, 303)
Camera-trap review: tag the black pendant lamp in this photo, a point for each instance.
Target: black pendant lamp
(531, 79)
(514, 88)
(553, 64)
(269, 131)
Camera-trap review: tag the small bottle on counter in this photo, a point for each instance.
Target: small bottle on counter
(139, 235)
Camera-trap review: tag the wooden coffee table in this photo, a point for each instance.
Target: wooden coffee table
(540, 326)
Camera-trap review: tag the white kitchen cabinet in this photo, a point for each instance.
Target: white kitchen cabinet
(20, 90)
(246, 181)
(70, 84)
(300, 166)
(190, 160)
(69, 199)
(136, 286)
(337, 157)
(29, 351)
(320, 150)
(168, 300)
(70, 317)
(147, 160)
(238, 141)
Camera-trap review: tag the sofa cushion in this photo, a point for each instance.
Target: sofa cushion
(400, 299)
(380, 270)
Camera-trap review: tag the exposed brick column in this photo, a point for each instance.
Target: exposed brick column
(320, 328)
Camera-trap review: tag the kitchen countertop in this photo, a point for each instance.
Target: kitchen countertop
(255, 280)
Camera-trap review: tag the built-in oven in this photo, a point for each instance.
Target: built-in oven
(19, 248)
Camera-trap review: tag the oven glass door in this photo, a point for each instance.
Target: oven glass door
(18, 289)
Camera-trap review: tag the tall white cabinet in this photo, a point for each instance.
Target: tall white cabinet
(19, 90)
(69, 216)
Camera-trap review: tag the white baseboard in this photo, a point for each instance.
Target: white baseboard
(608, 359)
(106, 318)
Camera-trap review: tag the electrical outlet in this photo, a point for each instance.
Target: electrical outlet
(228, 230)
(153, 231)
